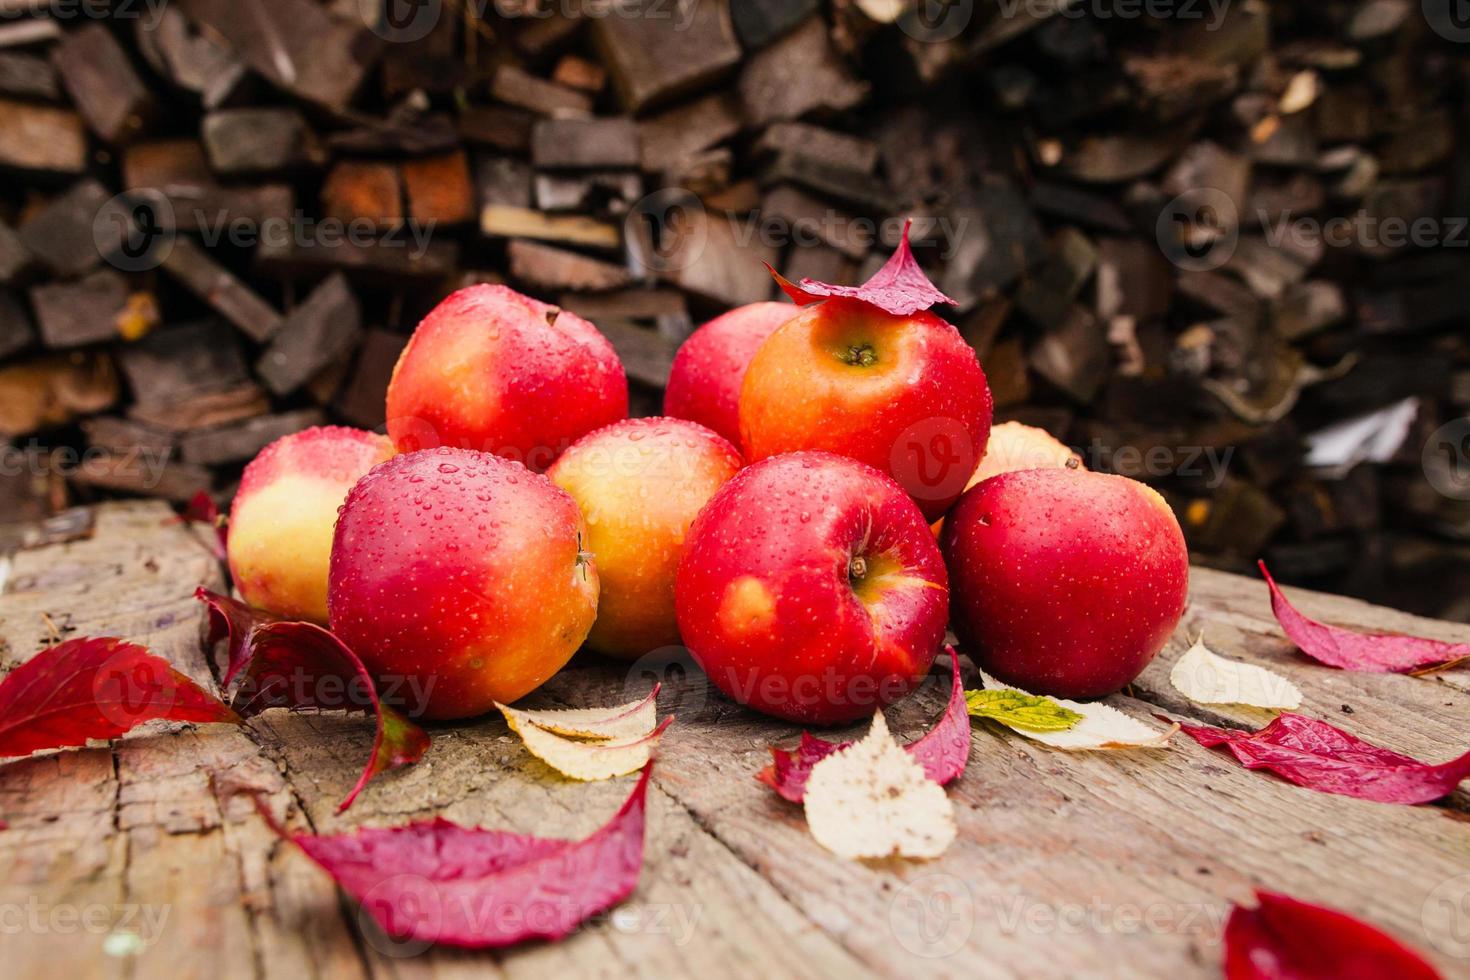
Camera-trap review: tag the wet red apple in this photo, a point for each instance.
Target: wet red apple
(462, 573)
(493, 370)
(1064, 582)
(812, 589)
(704, 383)
(904, 394)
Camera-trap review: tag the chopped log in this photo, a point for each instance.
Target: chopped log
(504, 181)
(598, 193)
(361, 399)
(200, 411)
(358, 190)
(439, 190)
(222, 290)
(706, 258)
(1074, 357)
(407, 130)
(584, 144)
(120, 435)
(28, 76)
(320, 332)
(646, 354)
(54, 390)
(179, 362)
(626, 304)
(798, 74)
(15, 258)
(759, 22)
(16, 330)
(240, 441)
(517, 87)
(504, 221)
(252, 142)
(1046, 296)
(549, 268)
(102, 83)
(133, 473)
(404, 256)
(88, 311)
(999, 239)
(502, 127)
(63, 234)
(652, 65)
(196, 61)
(577, 72)
(794, 216)
(667, 139)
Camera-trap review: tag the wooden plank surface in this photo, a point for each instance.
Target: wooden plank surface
(124, 861)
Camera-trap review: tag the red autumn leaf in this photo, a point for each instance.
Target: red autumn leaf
(1319, 756)
(942, 751)
(95, 687)
(232, 618)
(900, 287)
(437, 882)
(201, 509)
(1284, 939)
(1381, 653)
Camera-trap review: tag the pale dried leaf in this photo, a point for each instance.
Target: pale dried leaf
(1101, 727)
(580, 759)
(632, 720)
(872, 800)
(1206, 677)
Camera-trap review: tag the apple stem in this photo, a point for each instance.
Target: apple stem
(857, 568)
(584, 557)
(860, 355)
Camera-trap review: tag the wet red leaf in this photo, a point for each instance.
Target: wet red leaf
(1319, 756)
(1284, 939)
(900, 287)
(301, 665)
(1382, 653)
(95, 687)
(942, 751)
(437, 882)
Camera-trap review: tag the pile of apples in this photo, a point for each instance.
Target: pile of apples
(823, 498)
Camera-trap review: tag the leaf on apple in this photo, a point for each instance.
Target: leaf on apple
(279, 664)
(1100, 727)
(900, 287)
(1016, 709)
(1322, 757)
(1383, 653)
(632, 720)
(1283, 937)
(942, 751)
(437, 882)
(1205, 677)
(871, 799)
(95, 687)
(598, 758)
(229, 617)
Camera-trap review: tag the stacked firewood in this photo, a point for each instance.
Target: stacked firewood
(1167, 227)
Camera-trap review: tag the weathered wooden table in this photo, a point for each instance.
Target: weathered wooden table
(122, 862)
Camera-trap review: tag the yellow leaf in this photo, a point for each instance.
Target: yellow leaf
(1207, 678)
(1101, 727)
(579, 759)
(632, 720)
(872, 800)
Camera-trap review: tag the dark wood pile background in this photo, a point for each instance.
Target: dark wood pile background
(518, 142)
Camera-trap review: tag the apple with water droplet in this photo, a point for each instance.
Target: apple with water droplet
(640, 483)
(493, 370)
(704, 382)
(460, 577)
(811, 588)
(1063, 581)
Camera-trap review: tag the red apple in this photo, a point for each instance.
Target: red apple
(463, 575)
(1064, 582)
(493, 370)
(1013, 446)
(704, 383)
(904, 394)
(811, 589)
(640, 483)
(282, 518)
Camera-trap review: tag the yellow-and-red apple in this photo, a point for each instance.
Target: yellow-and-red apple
(902, 393)
(464, 573)
(1064, 582)
(1013, 446)
(493, 370)
(704, 382)
(281, 521)
(640, 483)
(812, 589)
